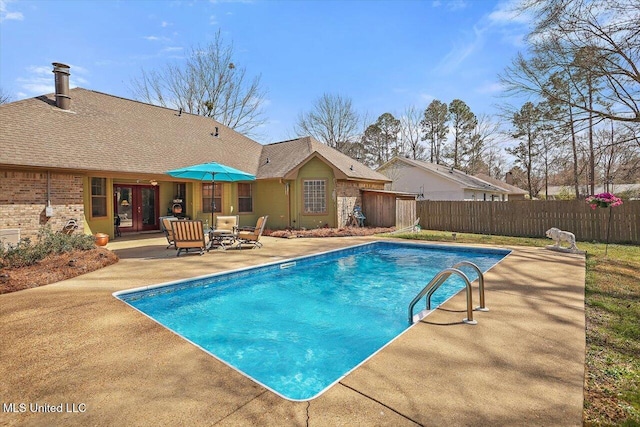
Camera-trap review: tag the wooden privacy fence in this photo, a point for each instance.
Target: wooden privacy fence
(525, 218)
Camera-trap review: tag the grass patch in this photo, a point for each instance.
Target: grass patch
(612, 312)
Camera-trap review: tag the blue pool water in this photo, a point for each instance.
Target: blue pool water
(298, 326)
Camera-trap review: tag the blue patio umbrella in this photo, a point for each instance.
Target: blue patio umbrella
(211, 171)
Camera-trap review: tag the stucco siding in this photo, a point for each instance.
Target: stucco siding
(411, 179)
(316, 169)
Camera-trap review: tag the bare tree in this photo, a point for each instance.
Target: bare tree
(332, 121)
(208, 83)
(5, 97)
(482, 136)
(563, 30)
(411, 132)
(495, 160)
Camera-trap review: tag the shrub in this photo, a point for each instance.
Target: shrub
(49, 242)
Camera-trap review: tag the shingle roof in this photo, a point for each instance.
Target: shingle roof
(511, 189)
(108, 133)
(102, 132)
(466, 181)
(284, 157)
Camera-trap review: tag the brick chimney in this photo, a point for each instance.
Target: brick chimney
(509, 178)
(61, 71)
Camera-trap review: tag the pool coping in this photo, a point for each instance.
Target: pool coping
(72, 342)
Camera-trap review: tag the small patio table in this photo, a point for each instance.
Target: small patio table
(222, 238)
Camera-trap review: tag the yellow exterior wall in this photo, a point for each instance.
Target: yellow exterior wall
(269, 198)
(102, 224)
(282, 200)
(315, 169)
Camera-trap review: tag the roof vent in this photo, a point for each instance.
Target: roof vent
(61, 71)
(215, 133)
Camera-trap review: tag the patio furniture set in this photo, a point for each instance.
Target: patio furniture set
(184, 235)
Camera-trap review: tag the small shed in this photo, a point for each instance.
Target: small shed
(386, 208)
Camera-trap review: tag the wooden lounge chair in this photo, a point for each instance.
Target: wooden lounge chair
(168, 231)
(251, 235)
(224, 233)
(187, 235)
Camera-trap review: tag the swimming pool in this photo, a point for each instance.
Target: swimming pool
(300, 325)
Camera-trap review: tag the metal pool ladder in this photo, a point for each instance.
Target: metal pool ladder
(440, 278)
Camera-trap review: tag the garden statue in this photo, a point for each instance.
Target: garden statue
(559, 236)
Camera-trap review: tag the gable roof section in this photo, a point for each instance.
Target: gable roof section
(459, 177)
(107, 133)
(285, 158)
(511, 189)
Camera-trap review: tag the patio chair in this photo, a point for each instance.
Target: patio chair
(168, 231)
(189, 234)
(225, 231)
(251, 235)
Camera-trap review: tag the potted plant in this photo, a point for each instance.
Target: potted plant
(604, 200)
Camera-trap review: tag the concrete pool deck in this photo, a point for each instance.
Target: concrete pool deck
(73, 346)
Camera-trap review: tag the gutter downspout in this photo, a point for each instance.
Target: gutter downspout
(48, 210)
(287, 192)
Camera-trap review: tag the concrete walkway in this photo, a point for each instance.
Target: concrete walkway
(73, 346)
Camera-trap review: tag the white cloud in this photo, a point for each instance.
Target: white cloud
(6, 15)
(39, 79)
(452, 5)
(502, 22)
(165, 24)
(489, 88)
(213, 20)
(427, 97)
(172, 49)
(156, 38)
(505, 14)
(459, 53)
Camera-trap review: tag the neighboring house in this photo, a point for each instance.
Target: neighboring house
(513, 192)
(568, 191)
(437, 182)
(91, 156)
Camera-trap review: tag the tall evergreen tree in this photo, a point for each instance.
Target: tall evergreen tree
(435, 129)
(463, 122)
(527, 130)
(390, 132)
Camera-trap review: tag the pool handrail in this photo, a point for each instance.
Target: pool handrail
(482, 306)
(435, 283)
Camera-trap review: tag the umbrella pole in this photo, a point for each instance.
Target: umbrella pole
(213, 198)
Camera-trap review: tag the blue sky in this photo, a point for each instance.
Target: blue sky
(384, 55)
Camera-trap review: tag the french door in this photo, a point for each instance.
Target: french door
(136, 206)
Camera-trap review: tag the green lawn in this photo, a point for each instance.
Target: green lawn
(612, 310)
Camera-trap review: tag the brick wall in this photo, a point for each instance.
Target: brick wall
(23, 198)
